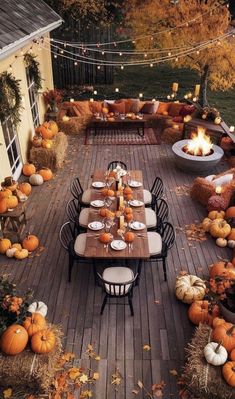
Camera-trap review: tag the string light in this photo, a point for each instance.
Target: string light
(151, 65)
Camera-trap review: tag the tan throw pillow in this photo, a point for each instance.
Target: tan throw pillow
(117, 107)
(150, 107)
(135, 105)
(163, 108)
(83, 107)
(95, 106)
(174, 109)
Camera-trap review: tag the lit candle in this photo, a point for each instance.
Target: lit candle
(117, 90)
(197, 90)
(194, 99)
(154, 99)
(71, 100)
(231, 129)
(168, 97)
(140, 95)
(121, 222)
(218, 190)
(95, 92)
(120, 202)
(91, 100)
(186, 96)
(175, 87)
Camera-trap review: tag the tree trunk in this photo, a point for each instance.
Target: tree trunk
(203, 92)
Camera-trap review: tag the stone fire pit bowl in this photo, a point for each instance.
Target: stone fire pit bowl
(196, 164)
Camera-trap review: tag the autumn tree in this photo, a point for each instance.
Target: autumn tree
(210, 19)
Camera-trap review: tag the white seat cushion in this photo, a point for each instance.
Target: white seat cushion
(117, 275)
(80, 244)
(155, 243)
(147, 197)
(86, 196)
(83, 217)
(151, 218)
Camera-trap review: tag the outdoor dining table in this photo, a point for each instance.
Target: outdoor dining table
(139, 247)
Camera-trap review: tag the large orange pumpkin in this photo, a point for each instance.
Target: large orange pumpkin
(53, 127)
(5, 244)
(202, 312)
(43, 341)
(31, 242)
(127, 190)
(217, 321)
(129, 236)
(230, 212)
(5, 193)
(14, 340)
(46, 132)
(232, 355)
(46, 174)
(231, 235)
(3, 205)
(225, 333)
(228, 372)
(105, 237)
(34, 323)
(26, 188)
(29, 169)
(223, 269)
(12, 201)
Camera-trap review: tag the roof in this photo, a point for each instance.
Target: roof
(22, 21)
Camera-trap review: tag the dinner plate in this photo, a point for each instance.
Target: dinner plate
(136, 203)
(137, 225)
(134, 183)
(118, 245)
(97, 203)
(96, 225)
(98, 184)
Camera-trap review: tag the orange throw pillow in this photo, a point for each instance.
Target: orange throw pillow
(174, 109)
(163, 107)
(95, 106)
(117, 107)
(83, 107)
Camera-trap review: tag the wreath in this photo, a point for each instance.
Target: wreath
(10, 98)
(34, 70)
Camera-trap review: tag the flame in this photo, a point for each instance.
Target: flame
(200, 144)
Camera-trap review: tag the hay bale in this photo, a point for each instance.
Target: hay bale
(52, 158)
(75, 125)
(202, 190)
(203, 380)
(29, 371)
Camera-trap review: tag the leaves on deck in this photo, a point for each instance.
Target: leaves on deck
(116, 377)
(180, 191)
(173, 372)
(194, 232)
(7, 393)
(146, 347)
(91, 353)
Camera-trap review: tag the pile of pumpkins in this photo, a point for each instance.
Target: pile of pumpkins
(191, 290)
(37, 178)
(17, 250)
(44, 135)
(34, 329)
(11, 195)
(216, 223)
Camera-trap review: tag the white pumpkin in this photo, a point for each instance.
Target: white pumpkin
(217, 120)
(221, 242)
(36, 179)
(215, 354)
(11, 252)
(189, 288)
(231, 243)
(38, 307)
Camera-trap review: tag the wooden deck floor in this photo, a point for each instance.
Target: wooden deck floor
(160, 320)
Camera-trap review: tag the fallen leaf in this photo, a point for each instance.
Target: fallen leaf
(97, 358)
(146, 348)
(173, 372)
(157, 301)
(7, 393)
(70, 395)
(140, 384)
(96, 376)
(135, 392)
(67, 356)
(86, 394)
(83, 378)
(74, 373)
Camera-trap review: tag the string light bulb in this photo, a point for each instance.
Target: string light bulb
(151, 65)
(122, 67)
(120, 54)
(98, 67)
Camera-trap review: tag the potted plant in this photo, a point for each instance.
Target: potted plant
(52, 98)
(227, 305)
(221, 290)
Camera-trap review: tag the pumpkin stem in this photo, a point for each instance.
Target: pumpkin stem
(230, 331)
(218, 346)
(44, 338)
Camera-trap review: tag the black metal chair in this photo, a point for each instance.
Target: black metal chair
(112, 165)
(155, 217)
(73, 209)
(117, 282)
(160, 243)
(155, 193)
(77, 191)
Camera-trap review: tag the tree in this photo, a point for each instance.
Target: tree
(215, 64)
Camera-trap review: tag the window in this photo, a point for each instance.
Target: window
(13, 149)
(32, 98)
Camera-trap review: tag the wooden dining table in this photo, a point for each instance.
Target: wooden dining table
(139, 247)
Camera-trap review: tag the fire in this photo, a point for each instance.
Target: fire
(200, 144)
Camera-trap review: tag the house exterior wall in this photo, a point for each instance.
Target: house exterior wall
(25, 129)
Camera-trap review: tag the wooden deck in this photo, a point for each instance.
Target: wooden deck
(160, 320)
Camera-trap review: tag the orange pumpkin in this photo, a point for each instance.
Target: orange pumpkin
(224, 269)
(34, 323)
(43, 341)
(14, 340)
(128, 210)
(47, 143)
(5, 244)
(127, 190)
(112, 174)
(228, 372)
(26, 188)
(217, 321)
(129, 217)
(37, 141)
(12, 202)
(202, 312)
(105, 110)
(5, 193)
(129, 236)
(232, 355)
(231, 235)
(110, 193)
(105, 237)
(103, 212)
(225, 333)
(129, 197)
(29, 169)
(31, 242)
(3, 205)
(53, 127)
(104, 192)
(230, 212)
(46, 174)
(46, 132)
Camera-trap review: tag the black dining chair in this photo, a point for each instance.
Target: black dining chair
(112, 165)
(77, 215)
(160, 243)
(117, 282)
(84, 197)
(155, 193)
(155, 217)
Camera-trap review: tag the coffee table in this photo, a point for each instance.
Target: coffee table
(99, 125)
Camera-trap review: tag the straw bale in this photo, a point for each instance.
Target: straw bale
(202, 190)
(203, 380)
(53, 157)
(75, 125)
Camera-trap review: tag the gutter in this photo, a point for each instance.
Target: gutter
(17, 45)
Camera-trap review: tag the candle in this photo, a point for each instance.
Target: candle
(140, 95)
(121, 222)
(91, 100)
(120, 184)
(95, 92)
(231, 129)
(218, 190)
(117, 90)
(194, 99)
(168, 97)
(71, 100)
(175, 87)
(197, 90)
(154, 99)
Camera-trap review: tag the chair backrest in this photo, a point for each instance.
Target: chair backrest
(73, 209)
(76, 188)
(168, 234)
(66, 234)
(162, 210)
(112, 165)
(117, 289)
(157, 188)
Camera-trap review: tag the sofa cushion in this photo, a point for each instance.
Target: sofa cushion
(135, 105)
(96, 106)
(187, 110)
(117, 107)
(163, 107)
(174, 109)
(150, 107)
(223, 180)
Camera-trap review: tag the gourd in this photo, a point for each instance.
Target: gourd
(53, 127)
(16, 245)
(37, 141)
(31, 242)
(38, 307)
(3, 205)
(220, 228)
(217, 321)
(127, 190)
(225, 333)
(10, 253)
(46, 174)
(129, 236)
(221, 242)
(25, 188)
(216, 215)
(34, 323)
(28, 169)
(230, 212)
(215, 354)
(46, 132)
(5, 193)
(202, 312)
(231, 243)
(5, 244)
(232, 355)
(231, 236)
(206, 224)
(43, 341)
(21, 196)
(105, 237)
(189, 288)
(224, 269)
(36, 180)
(228, 372)
(47, 143)
(217, 120)
(14, 340)
(12, 202)
(21, 254)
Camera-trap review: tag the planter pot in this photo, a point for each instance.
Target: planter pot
(227, 314)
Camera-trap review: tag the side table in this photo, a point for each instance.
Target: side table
(13, 223)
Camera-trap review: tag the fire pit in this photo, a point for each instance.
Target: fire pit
(198, 154)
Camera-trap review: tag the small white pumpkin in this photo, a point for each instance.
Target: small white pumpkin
(189, 288)
(11, 252)
(215, 354)
(221, 242)
(217, 120)
(36, 179)
(38, 307)
(231, 243)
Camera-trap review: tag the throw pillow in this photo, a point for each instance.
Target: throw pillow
(117, 107)
(135, 105)
(221, 181)
(174, 109)
(95, 106)
(76, 112)
(150, 107)
(187, 110)
(71, 111)
(163, 108)
(107, 102)
(178, 119)
(83, 107)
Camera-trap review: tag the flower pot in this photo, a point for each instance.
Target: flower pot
(227, 314)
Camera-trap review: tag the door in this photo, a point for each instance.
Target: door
(13, 148)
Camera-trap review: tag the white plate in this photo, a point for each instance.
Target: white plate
(134, 183)
(118, 245)
(121, 172)
(98, 184)
(96, 226)
(97, 203)
(137, 225)
(136, 203)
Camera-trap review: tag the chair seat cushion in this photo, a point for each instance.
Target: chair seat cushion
(80, 244)
(86, 196)
(154, 242)
(117, 275)
(151, 218)
(83, 217)
(147, 197)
